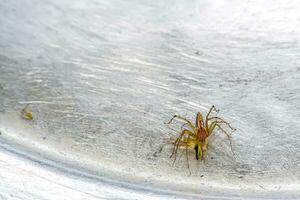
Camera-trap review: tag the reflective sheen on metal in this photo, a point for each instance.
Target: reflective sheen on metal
(102, 78)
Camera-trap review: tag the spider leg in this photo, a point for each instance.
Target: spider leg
(178, 142)
(215, 124)
(187, 156)
(175, 148)
(207, 116)
(221, 121)
(211, 127)
(209, 132)
(186, 151)
(228, 136)
(175, 155)
(183, 119)
(211, 109)
(181, 128)
(181, 154)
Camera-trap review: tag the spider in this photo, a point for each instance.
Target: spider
(197, 136)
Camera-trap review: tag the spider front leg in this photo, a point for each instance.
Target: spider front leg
(183, 119)
(207, 115)
(211, 109)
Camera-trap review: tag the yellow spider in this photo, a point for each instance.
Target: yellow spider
(197, 136)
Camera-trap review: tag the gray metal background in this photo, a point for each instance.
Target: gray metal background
(102, 77)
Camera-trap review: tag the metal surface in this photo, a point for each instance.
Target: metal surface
(102, 77)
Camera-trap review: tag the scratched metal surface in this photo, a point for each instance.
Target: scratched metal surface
(102, 77)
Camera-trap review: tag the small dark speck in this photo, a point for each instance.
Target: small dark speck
(0, 133)
(201, 175)
(212, 158)
(241, 176)
(220, 85)
(44, 138)
(198, 53)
